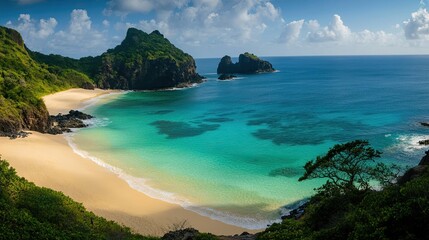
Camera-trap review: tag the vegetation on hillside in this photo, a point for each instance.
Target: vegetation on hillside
(22, 83)
(141, 61)
(341, 210)
(31, 212)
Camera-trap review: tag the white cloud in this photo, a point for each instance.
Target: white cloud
(417, 27)
(291, 31)
(335, 38)
(205, 21)
(336, 31)
(106, 23)
(25, 2)
(80, 21)
(31, 30)
(379, 37)
(149, 26)
(47, 27)
(78, 40)
(121, 7)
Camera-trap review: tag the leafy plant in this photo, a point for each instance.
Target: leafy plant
(349, 167)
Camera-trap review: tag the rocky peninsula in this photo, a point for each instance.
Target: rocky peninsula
(247, 64)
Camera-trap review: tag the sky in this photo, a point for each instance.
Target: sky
(214, 28)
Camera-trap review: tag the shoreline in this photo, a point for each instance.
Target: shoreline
(49, 161)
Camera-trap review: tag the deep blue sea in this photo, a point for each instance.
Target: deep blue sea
(233, 150)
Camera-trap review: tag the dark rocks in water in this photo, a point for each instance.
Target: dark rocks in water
(78, 115)
(63, 123)
(415, 171)
(247, 64)
(424, 124)
(424, 142)
(226, 77)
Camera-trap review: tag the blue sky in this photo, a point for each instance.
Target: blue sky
(213, 28)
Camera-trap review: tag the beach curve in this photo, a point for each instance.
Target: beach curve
(49, 161)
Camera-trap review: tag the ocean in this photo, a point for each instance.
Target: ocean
(234, 150)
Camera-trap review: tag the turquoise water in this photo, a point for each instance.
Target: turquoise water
(233, 150)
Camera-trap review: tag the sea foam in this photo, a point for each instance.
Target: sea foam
(410, 143)
(140, 184)
(93, 101)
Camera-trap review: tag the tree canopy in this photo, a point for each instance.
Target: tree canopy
(349, 166)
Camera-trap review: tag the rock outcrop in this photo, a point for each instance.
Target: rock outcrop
(226, 77)
(141, 62)
(415, 171)
(247, 64)
(63, 123)
(23, 80)
(146, 62)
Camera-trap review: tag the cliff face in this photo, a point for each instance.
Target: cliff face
(247, 64)
(146, 61)
(142, 61)
(23, 81)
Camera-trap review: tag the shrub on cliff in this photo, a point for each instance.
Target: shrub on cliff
(23, 81)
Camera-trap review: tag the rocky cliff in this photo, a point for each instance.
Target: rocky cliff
(247, 64)
(23, 81)
(146, 61)
(141, 62)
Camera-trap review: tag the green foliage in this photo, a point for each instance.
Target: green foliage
(398, 211)
(206, 236)
(23, 81)
(287, 230)
(31, 212)
(348, 167)
(144, 61)
(141, 61)
(251, 56)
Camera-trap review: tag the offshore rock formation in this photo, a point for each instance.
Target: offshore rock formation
(247, 64)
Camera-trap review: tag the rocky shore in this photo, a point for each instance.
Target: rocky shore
(426, 141)
(226, 77)
(63, 123)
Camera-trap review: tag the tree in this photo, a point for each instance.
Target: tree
(349, 167)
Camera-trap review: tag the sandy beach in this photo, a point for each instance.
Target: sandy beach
(49, 161)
